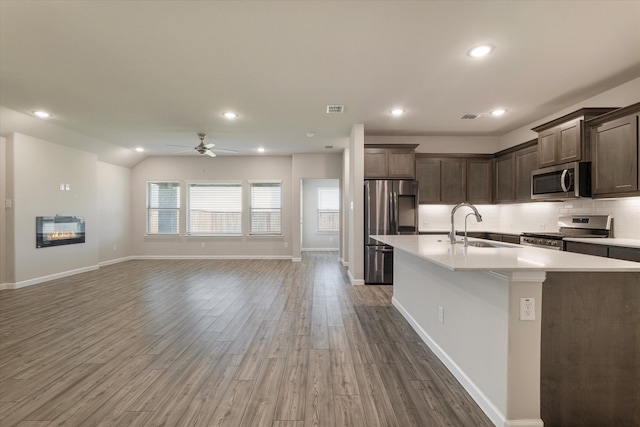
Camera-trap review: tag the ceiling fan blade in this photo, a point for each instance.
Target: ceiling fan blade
(210, 145)
(185, 146)
(223, 150)
(210, 153)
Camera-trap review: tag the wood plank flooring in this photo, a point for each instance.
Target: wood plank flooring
(219, 343)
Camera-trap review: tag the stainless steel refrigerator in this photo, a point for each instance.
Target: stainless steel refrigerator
(390, 207)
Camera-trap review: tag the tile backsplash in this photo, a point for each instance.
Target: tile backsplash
(542, 216)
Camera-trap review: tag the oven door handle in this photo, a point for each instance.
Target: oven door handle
(563, 180)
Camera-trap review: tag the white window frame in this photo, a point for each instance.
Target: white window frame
(320, 211)
(149, 209)
(252, 232)
(190, 184)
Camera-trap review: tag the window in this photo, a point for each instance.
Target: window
(214, 208)
(266, 208)
(328, 209)
(163, 207)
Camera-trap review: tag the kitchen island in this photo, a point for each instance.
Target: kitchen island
(465, 303)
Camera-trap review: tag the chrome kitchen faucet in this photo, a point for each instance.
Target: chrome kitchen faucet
(452, 235)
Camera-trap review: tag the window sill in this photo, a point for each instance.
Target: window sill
(211, 235)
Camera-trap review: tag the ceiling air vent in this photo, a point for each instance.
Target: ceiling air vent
(328, 147)
(470, 116)
(335, 109)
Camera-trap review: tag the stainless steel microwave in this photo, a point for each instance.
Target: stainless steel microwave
(567, 181)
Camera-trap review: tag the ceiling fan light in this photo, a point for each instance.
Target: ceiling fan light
(230, 115)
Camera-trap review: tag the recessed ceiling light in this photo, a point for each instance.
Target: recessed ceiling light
(42, 114)
(260, 150)
(310, 134)
(498, 112)
(139, 149)
(230, 115)
(480, 51)
(397, 112)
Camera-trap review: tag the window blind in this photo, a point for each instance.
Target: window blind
(163, 207)
(214, 209)
(266, 208)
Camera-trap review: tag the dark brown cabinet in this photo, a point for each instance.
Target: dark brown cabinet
(480, 181)
(512, 176)
(616, 155)
(587, 249)
(389, 162)
(452, 180)
(505, 183)
(526, 162)
(617, 252)
(564, 140)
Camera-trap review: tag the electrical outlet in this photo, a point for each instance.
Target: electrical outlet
(115, 248)
(527, 309)
(202, 245)
(286, 244)
(441, 314)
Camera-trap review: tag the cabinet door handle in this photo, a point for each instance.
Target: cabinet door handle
(623, 186)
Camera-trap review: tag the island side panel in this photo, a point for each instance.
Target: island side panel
(590, 367)
(473, 340)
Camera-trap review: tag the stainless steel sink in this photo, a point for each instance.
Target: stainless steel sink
(483, 244)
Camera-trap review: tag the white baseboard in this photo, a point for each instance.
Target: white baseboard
(354, 281)
(487, 406)
(524, 423)
(319, 250)
(296, 259)
(7, 286)
(50, 277)
(114, 261)
(204, 257)
(343, 262)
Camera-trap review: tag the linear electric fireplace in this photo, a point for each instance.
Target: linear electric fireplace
(59, 230)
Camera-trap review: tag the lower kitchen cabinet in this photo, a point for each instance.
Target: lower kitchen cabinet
(628, 254)
(607, 251)
(587, 249)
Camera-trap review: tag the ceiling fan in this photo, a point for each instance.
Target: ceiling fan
(205, 149)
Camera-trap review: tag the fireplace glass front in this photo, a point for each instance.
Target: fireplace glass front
(59, 230)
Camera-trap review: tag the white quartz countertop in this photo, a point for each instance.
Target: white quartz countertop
(627, 243)
(438, 250)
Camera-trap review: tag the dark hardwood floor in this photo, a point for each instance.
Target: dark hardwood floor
(219, 343)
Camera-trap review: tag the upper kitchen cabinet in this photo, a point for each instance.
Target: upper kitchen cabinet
(389, 161)
(480, 180)
(454, 179)
(513, 168)
(615, 151)
(564, 139)
(526, 162)
(505, 182)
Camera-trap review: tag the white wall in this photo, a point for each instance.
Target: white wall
(311, 238)
(620, 96)
(3, 213)
(38, 168)
(114, 212)
(356, 205)
(442, 144)
(189, 168)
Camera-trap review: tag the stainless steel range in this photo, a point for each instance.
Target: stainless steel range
(583, 226)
